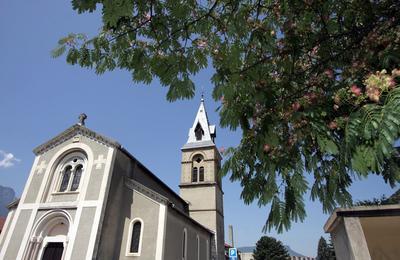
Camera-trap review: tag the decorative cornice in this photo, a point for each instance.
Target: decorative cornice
(134, 185)
(13, 204)
(360, 211)
(70, 133)
(206, 160)
(198, 184)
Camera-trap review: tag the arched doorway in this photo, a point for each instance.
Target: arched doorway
(49, 238)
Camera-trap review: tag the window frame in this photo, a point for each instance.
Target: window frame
(129, 238)
(198, 246)
(195, 173)
(184, 244)
(208, 251)
(201, 174)
(60, 171)
(198, 162)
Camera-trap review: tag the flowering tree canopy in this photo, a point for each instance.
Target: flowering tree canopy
(312, 84)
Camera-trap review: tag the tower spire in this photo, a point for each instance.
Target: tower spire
(201, 133)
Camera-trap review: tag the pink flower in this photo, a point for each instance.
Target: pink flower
(396, 72)
(267, 148)
(202, 43)
(333, 125)
(374, 94)
(355, 90)
(392, 83)
(310, 97)
(329, 73)
(314, 50)
(296, 106)
(337, 99)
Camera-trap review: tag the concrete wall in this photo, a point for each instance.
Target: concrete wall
(81, 243)
(116, 210)
(246, 256)
(148, 211)
(176, 224)
(6, 227)
(200, 197)
(349, 241)
(11, 252)
(121, 210)
(123, 206)
(383, 236)
(340, 242)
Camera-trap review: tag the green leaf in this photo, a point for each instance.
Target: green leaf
(58, 51)
(327, 145)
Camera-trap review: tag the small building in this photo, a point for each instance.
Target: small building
(365, 232)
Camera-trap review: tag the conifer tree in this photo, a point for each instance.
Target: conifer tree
(268, 248)
(325, 250)
(313, 85)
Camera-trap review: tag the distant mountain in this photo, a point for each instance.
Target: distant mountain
(250, 249)
(292, 252)
(7, 195)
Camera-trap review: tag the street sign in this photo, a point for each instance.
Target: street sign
(233, 252)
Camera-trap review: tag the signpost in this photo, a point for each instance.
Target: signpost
(233, 253)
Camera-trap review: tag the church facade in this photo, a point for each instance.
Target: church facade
(87, 197)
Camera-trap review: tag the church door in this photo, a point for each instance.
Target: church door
(53, 251)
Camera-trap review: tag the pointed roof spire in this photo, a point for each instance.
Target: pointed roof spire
(201, 133)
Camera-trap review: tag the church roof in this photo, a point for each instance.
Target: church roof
(201, 134)
(77, 129)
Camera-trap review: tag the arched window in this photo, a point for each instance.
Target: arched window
(207, 250)
(65, 178)
(184, 245)
(198, 247)
(77, 178)
(194, 174)
(135, 238)
(198, 168)
(70, 172)
(201, 175)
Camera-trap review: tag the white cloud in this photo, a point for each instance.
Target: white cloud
(7, 159)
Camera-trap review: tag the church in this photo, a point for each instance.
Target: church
(87, 197)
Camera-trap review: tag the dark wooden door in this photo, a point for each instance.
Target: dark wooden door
(53, 251)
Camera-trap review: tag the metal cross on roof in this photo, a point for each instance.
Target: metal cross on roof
(82, 118)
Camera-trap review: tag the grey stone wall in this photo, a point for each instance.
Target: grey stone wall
(17, 235)
(123, 206)
(4, 232)
(174, 238)
(83, 235)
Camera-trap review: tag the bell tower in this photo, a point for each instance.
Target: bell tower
(200, 184)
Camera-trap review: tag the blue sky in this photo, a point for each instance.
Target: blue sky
(41, 96)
